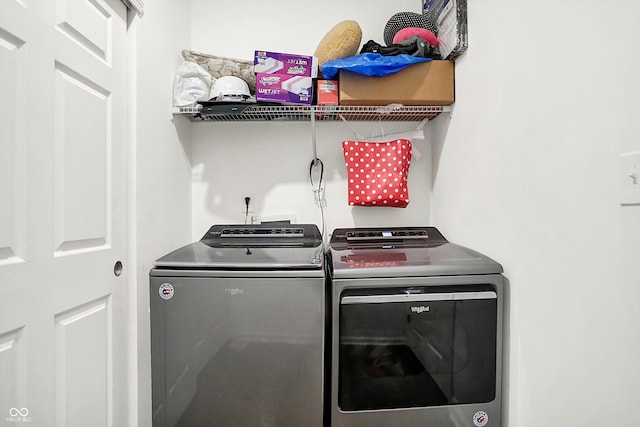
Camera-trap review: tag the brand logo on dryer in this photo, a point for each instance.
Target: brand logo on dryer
(480, 419)
(420, 309)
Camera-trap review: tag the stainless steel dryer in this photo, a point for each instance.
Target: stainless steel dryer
(416, 330)
(237, 329)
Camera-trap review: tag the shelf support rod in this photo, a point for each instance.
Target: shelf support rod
(356, 133)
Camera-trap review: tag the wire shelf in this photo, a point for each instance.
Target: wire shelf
(392, 112)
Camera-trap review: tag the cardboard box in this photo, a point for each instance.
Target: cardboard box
(284, 88)
(285, 63)
(425, 83)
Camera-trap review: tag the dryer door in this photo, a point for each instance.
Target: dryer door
(417, 347)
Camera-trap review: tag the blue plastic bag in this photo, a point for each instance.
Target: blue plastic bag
(370, 64)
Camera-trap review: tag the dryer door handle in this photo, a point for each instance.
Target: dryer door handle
(445, 296)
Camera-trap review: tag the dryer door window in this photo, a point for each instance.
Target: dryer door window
(417, 347)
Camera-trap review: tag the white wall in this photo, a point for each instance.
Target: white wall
(526, 171)
(270, 161)
(162, 200)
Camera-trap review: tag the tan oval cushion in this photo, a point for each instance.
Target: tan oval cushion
(341, 41)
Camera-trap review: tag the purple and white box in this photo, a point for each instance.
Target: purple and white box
(285, 63)
(284, 88)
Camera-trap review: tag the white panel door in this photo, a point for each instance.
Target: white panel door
(62, 213)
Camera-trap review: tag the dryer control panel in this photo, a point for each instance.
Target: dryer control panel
(398, 237)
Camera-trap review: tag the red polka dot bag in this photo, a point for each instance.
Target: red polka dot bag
(377, 172)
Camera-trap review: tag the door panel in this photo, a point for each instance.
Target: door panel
(81, 162)
(87, 23)
(12, 367)
(12, 167)
(82, 350)
(63, 212)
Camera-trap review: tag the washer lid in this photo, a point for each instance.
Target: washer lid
(276, 235)
(409, 252)
(251, 247)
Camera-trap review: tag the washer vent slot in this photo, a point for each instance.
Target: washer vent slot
(262, 232)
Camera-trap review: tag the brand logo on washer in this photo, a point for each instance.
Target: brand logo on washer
(420, 309)
(480, 419)
(166, 291)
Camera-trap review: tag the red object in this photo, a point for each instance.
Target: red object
(409, 32)
(327, 92)
(377, 172)
(383, 259)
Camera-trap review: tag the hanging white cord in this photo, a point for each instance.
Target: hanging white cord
(316, 163)
(317, 168)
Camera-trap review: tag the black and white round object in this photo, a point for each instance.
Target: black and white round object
(405, 20)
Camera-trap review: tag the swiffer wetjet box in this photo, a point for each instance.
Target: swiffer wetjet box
(284, 88)
(285, 63)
